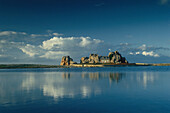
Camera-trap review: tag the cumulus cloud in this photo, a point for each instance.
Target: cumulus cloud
(30, 50)
(69, 42)
(54, 54)
(87, 41)
(57, 42)
(151, 53)
(57, 47)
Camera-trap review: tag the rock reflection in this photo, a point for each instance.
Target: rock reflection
(116, 77)
(111, 76)
(66, 75)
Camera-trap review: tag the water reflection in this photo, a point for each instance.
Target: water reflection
(73, 84)
(66, 75)
(25, 86)
(97, 75)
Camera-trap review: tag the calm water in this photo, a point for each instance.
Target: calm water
(85, 90)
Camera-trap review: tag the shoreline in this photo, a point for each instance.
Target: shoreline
(17, 66)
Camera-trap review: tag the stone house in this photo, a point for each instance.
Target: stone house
(104, 59)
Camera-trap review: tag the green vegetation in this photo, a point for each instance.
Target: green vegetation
(13, 66)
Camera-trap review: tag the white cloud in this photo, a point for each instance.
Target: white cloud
(54, 54)
(55, 42)
(137, 53)
(23, 33)
(85, 41)
(131, 53)
(97, 41)
(151, 53)
(30, 50)
(69, 42)
(143, 47)
(145, 53)
(57, 34)
(3, 41)
(8, 33)
(38, 35)
(57, 47)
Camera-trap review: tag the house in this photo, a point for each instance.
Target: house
(104, 59)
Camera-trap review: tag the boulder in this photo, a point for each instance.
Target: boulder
(116, 57)
(94, 58)
(66, 60)
(84, 60)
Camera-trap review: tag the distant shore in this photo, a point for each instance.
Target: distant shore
(16, 66)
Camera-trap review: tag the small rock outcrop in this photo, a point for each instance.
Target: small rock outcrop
(94, 58)
(116, 57)
(66, 60)
(84, 60)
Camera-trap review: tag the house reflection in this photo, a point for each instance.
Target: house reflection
(66, 75)
(113, 77)
(116, 76)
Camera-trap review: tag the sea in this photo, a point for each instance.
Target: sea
(134, 89)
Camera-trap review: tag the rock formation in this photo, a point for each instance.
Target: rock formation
(94, 58)
(66, 60)
(113, 57)
(84, 60)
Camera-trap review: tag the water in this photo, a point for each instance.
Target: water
(86, 90)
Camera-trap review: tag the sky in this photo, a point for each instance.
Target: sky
(42, 31)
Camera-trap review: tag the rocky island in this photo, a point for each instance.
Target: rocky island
(94, 60)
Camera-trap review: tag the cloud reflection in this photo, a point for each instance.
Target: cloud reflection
(67, 84)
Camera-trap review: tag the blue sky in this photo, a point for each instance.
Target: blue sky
(42, 31)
